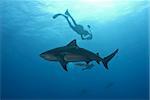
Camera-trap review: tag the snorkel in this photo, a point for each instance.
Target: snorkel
(89, 27)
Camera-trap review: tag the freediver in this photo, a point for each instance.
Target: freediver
(85, 35)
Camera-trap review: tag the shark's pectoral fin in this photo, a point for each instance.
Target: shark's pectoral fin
(63, 63)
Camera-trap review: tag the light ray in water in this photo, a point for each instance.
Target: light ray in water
(102, 10)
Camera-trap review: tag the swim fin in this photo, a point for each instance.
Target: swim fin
(67, 12)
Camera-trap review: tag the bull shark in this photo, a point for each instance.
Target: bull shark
(73, 53)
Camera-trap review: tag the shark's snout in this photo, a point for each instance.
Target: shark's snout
(47, 56)
(42, 55)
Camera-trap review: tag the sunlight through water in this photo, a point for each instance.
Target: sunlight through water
(103, 10)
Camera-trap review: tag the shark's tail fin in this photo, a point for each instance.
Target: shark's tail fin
(105, 60)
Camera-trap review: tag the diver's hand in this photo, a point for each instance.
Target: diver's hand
(87, 37)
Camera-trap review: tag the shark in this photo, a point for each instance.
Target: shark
(73, 53)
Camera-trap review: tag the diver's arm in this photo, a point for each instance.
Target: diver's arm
(83, 37)
(90, 33)
(90, 37)
(87, 38)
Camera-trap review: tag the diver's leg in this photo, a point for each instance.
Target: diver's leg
(56, 15)
(69, 22)
(67, 13)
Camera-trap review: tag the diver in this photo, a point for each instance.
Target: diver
(85, 35)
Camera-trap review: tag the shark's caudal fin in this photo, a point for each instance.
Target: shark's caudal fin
(105, 60)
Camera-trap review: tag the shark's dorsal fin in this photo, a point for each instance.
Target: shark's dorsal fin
(97, 54)
(72, 43)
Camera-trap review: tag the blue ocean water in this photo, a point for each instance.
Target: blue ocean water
(28, 29)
